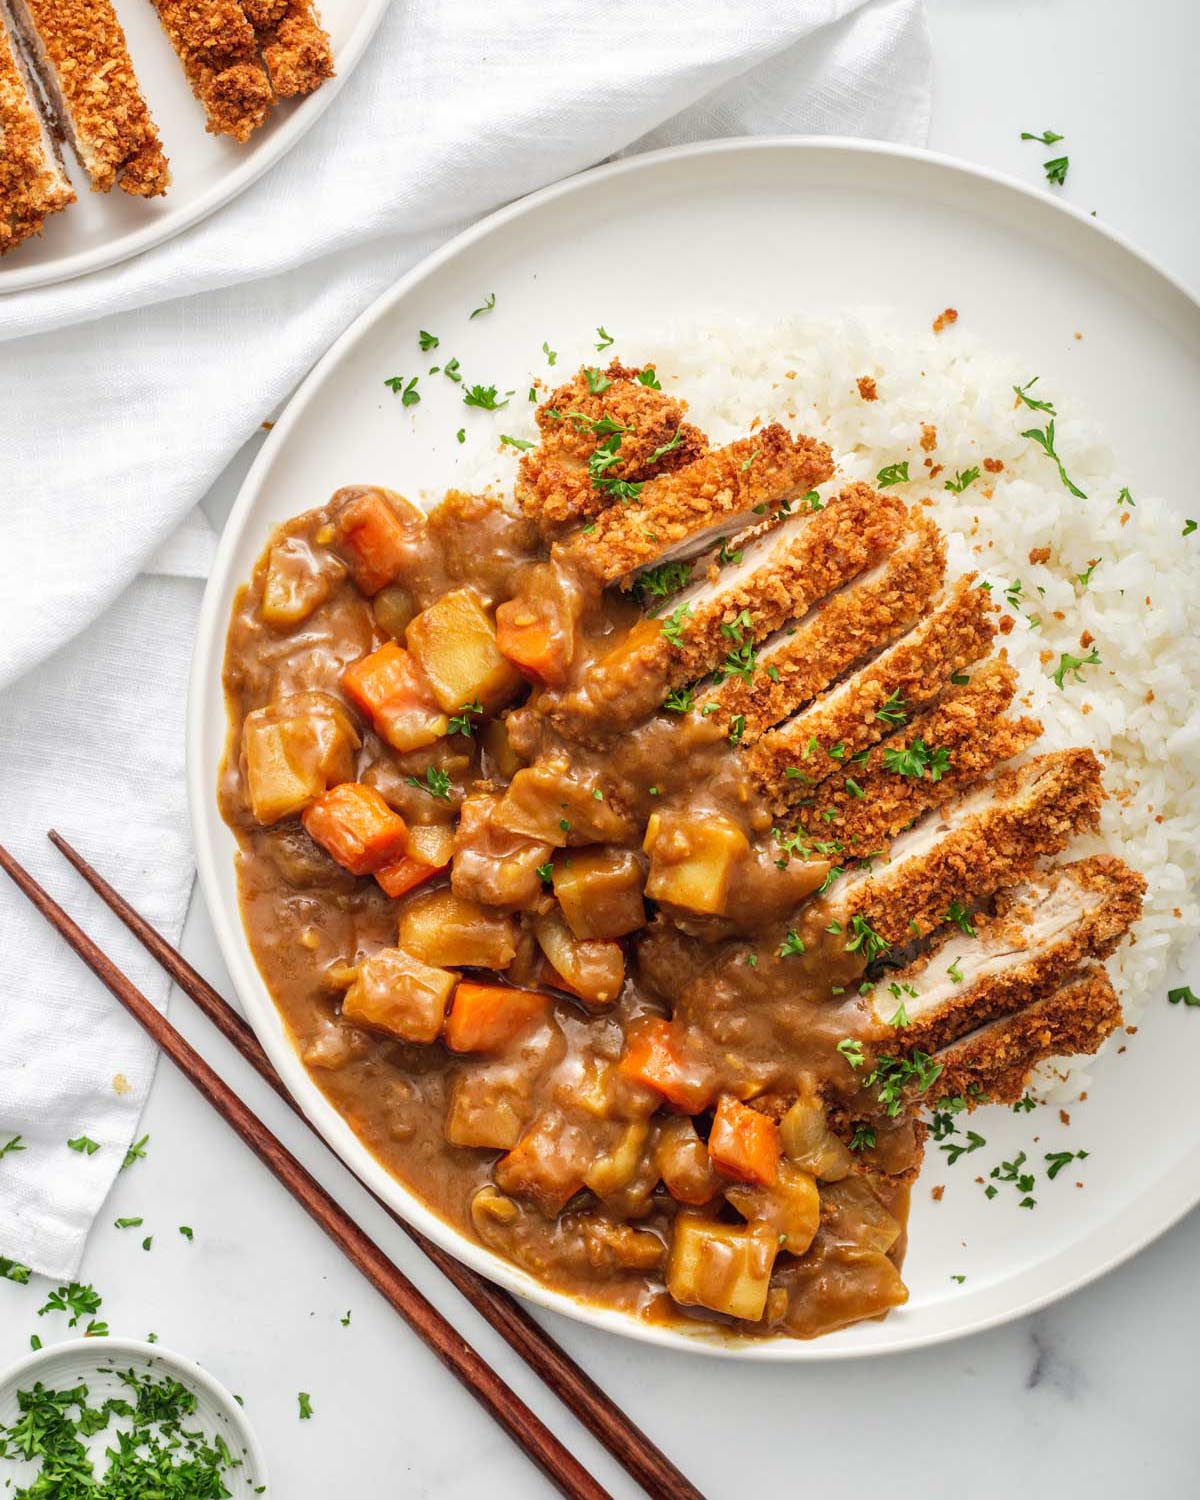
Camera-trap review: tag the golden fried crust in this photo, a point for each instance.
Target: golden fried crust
(870, 804)
(1032, 812)
(296, 50)
(754, 474)
(117, 139)
(216, 44)
(1074, 1019)
(792, 668)
(553, 484)
(958, 632)
(31, 184)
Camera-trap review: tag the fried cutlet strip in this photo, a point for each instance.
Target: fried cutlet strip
(869, 704)
(905, 776)
(1039, 935)
(79, 49)
(216, 45)
(554, 485)
(33, 184)
(716, 620)
(994, 1062)
(970, 850)
(295, 46)
(683, 513)
(797, 663)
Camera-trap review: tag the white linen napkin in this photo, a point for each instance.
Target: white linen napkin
(126, 393)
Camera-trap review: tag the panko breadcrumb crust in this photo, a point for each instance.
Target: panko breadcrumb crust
(216, 44)
(107, 113)
(295, 48)
(31, 186)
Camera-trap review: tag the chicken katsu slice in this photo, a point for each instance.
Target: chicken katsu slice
(994, 1062)
(216, 45)
(678, 515)
(994, 965)
(943, 752)
(295, 46)
(33, 183)
(715, 621)
(969, 850)
(626, 430)
(870, 703)
(796, 663)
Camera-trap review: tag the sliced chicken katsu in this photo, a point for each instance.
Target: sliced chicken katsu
(993, 1063)
(678, 515)
(884, 694)
(796, 663)
(79, 49)
(33, 184)
(715, 620)
(957, 743)
(971, 849)
(295, 46)
(617, 426)
(216, 45)
(986, 966)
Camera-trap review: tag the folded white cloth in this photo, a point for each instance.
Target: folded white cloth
(126, 393)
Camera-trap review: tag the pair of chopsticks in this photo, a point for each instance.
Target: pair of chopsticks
(628, 1444)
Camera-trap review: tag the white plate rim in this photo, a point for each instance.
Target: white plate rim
(299, 122)
(1145, 1219)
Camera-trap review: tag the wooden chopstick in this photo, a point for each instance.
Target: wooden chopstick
(501, 1402)
(641, 1459)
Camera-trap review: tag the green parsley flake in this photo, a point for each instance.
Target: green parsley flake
(488, 303)
(303, 1397)
(427, 341)
(863, 1138)
(606, 339)
(11, 1145)
(483, 396)
(84, 1144)
(409, 395)
(1068, 663)
(523, 444)
(852, 1051)
(1047, 137)
(673, 626)
(128, 1223)
(892, 474)
(1183, 994)
(1056, 169)
(1044, 438)
(136, 1152)
(188, 1232)
(961, 481)
(791, 946)
(436, 783)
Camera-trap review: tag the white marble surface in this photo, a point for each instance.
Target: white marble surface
(1097, 1392)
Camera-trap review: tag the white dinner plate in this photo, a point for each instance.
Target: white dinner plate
(752, 229)
(101, 229)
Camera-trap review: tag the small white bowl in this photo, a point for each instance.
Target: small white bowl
(95, 1363)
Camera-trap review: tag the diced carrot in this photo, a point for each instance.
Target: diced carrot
(390, 688)
(486, 1017)
(403, 875)
(357, 827)
(743, 1142)
(530, 643)
(654, 1056)
(371, 541)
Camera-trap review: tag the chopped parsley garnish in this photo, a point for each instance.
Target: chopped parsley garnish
(738, 663)
(853, 787)
(891, 1076)
(461, 434)
(606, 338)
(408, 394)
(1189, 527)
(1056, 169)
(452, 371)
(551, 354)
(523, 444)
(679, 701)
(79, 1300)
(918, 760)
(1025, 1104)
(1045, 441)
(546, 872)
(746, 464)
(488, 303)
(813, 501)
(483, 396)
(345, 1322)
(136, 1152)
(84, 1143)
(1047, 137)
(436, 783)
(461, 723)
(892, 712)
(11, 1145)
(863, 1138)
(13, 1270)
(598, 381)
(427, 341)
(957, 913)
(852, 1051)
(901, 1016)
(303, 1397)
(955, 972)
(1086, 576)
(1068, 663)
(649, 379)
(737, 728)
(1125, 498)
(673, 626)
(668, 447)
(792, 945)
(954, 1150)
(1183, 994)
(1022, 394)
(725, 556)
(1010, 1171)
(961, 481)
(863, 938)
(892, 474)
(835, 872)
(1060, 1159)
(657, 583)
(188, 1232)
(128, 1223)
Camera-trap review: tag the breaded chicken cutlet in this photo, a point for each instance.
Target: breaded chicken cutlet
(295, 46)
(79, 50)
(33, 184)
(216, 44)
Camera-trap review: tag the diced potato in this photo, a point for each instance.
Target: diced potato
(655, 1056)
(600, 892)
(692, 859)
(614, 1170)
(791, 1206)
(293, 751)
(543, 1166)
(296, 582)
(397, 993)
(545, 802)
(393, 692)
(374, 534)
(684, 1164)
(454, 640)
(489, 1017)
(357, 827)
(482, 1113)
(808, 1141)
(595, 971)
(743, 1142)
(724, 1267)
(445, 929)
(431, 844)
(393, 608)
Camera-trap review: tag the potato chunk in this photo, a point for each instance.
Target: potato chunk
(293, 751)
(692, 859)
(595, 971)
(791, 1206)
(724, 1267)
(454, 640)
(297, 581)
(443, 928)
(545, 802)
(482, 1113)
(397, 993)
(600, 892)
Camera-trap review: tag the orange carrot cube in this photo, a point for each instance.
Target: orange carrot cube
(393, 692)
(486, 1017)
(528, 641)
(654, 1056)
(357, 827)
(371, 540)
(743, 1142)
